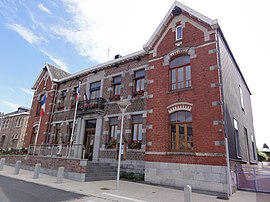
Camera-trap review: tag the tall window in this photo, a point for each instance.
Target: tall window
(253, 148)
(237, 139)
(113, 129)
(180, 73)
(181, 131)
(139, 81)
(178, 33)
(2, 140)
(95, 90)
(57, 133)
(137, 121)
(61, 104)
(69, 132)
(241, 98)
(247, 143)
(34, 134)
(116, 85)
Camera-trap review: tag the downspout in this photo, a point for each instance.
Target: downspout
(229, 191)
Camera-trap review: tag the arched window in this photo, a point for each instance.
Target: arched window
(180, 73)
(181, 131)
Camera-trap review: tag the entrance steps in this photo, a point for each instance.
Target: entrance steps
(99, 171)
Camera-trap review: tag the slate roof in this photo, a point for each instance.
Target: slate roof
(56, 73)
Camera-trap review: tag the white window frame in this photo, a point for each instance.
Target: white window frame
(176, 33)
(241, 98)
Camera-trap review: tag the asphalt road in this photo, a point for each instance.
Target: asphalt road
(13, 190)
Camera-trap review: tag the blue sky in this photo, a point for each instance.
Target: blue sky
(77, 34)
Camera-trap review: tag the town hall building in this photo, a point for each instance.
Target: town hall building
(190, 118)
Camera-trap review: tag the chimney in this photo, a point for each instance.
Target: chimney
(117, 56)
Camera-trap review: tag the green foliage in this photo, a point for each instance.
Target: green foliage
(262, 156)
(12, 151)
(135, 177)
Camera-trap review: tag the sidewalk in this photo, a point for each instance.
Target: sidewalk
(106, 190)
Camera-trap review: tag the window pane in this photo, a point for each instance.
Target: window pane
(181, 143)
(140, 132)
(173, 134)
(188, 117)
(138, 87)
(113, 121)
(135, 131)
(178, 33)
(142, 84)
(181, 116)
(137, 119)
(95, 86)
(235, 124)
(117, 80)
(189, 136)
(180, 78)
(139, 74)
(173, 117)
(115, 132)
(180, 61)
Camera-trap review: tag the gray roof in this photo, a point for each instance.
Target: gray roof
(56, 73)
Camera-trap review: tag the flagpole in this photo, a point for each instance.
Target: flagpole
(37, 135)
(73, 126)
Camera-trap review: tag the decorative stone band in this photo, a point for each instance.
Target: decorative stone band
(179, 106)
(186, 154)
(177, 52)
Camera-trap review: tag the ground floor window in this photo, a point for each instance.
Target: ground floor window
(181, 131)
(137, 123)
(34, 134)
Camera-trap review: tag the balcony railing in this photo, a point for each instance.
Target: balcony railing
(91, 106)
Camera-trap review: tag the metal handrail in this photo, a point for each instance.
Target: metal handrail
(58, 150)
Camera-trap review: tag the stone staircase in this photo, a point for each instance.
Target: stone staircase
(99, 171)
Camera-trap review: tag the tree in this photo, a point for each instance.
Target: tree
(261, 156)
(265, 146)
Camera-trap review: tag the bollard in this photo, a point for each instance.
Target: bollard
(60, 175)
(187, 194)
(37, 171)
(17, 167)
(2, 163)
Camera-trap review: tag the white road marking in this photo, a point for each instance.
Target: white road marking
(123, 197)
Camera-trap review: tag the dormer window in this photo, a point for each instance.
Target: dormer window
(179, 33)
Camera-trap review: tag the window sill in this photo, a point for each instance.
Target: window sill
(179, 90)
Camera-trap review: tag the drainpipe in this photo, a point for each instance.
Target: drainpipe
(229, 191)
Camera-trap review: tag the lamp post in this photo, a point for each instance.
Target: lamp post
(123, 105)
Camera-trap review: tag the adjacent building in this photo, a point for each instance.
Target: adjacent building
(13, 129)
(190, 118)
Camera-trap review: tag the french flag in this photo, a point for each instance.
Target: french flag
(78, 90)
(43, 103)
(85, 100)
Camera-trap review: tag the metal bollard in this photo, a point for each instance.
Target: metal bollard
(187, 194)
(37, 171)
(60, 175)
(2, 163)
(17, 167)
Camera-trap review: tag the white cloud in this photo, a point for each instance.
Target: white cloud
(27, 91)
(62, 65)
(10, 105)
(11, 89)
(44, 9)
(25, 33)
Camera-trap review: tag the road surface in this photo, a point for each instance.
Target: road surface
(13, 190)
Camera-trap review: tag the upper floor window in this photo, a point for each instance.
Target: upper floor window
(95, 90)
(181, 131)
(179, 33)
(180, 73)
(116, 85)
(139, 81)
(237, 139)
(241, 97)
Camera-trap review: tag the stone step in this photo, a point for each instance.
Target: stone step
(100, 178)
(99, 170)
(100, 174)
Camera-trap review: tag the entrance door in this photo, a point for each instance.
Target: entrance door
(89, 138)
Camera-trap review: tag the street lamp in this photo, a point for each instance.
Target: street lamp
(123, 105)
